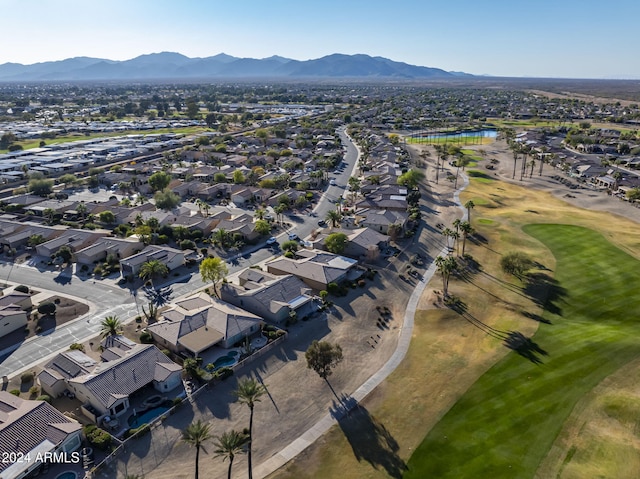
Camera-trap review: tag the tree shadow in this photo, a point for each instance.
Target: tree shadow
(536, 317)
(370, 441)
(525, 347)
(545, 291)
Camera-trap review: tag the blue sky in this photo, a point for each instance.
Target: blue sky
(542, 38)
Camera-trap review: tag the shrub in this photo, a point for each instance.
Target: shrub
(137, 431)
(77, 346)
(361, 283)
(22, 288)
(146, 338)
(26, 377)
(15, 392)
(333, 288)
(44, 397)
(47, 308)
(97, 437)
(34, 391)
(177, 401)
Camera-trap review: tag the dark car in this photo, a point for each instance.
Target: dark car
(322, 223)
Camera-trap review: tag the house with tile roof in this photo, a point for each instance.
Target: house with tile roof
(99, 250)
(64, 366)
(171, 257)
(315, 268)
(75, 239)
(30, 427)
(272, 297)
(108, 385)
(199, 322)
(12, 318)
(363, 243)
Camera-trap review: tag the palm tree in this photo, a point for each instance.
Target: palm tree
(469, 205)
(152, 269)
(515, 149)
(111, 326)
(228, 445)
(446, 266)
(194, 435)
(249, 392)
(199, 203)
(279, 210)
(334, 217)
(354, 186)
(220, 237)
(466, 229)
(50, 214)
(450, 234)
(81, 209)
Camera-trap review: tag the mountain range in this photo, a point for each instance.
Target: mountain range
(175, 66)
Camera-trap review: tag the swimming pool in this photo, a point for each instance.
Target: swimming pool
(67, 475)
(147, 416)
(228, 359)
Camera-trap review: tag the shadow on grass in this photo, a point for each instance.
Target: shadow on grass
(536, 317)
(369, 439)
(525, 347)
(513, 340)
(545, 291)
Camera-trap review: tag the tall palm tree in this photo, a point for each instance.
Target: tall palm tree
(449, 234)
(446, 265)
(249, 392)
(466, 229)
(469, 205)
(195, 435)
(515, 149)
(111, 326)
(152, 269)
(228, 445)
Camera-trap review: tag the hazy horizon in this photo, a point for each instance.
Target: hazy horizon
(543, 40)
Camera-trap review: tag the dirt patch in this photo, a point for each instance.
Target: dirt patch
(66, 310)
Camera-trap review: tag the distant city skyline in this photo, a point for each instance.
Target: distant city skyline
(568, 39)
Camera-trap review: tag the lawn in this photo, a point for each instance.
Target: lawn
(448, 354)
(506, 423)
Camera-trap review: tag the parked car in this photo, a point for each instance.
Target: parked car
(272, 240)
(293, 236)
(322, 223)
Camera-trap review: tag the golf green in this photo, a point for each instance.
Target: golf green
(506, 422)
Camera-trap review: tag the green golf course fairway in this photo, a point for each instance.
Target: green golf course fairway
(505, 424)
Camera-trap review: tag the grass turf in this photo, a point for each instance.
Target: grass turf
(508, 420)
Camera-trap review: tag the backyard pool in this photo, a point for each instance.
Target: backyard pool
(146, 417)
(67, 475)
(228, 359)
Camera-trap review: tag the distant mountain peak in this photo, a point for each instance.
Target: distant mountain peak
(172, 65)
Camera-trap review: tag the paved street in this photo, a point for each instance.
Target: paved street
(110, 299)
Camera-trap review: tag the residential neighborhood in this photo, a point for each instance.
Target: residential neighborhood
(223, 252)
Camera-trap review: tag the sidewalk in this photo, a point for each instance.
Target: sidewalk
(326, 422)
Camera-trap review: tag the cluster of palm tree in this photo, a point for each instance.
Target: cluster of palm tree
(448, 265)
(230, 443)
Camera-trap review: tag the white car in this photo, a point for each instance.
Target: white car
(293, 236)
(272, 240)
(332, 182)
